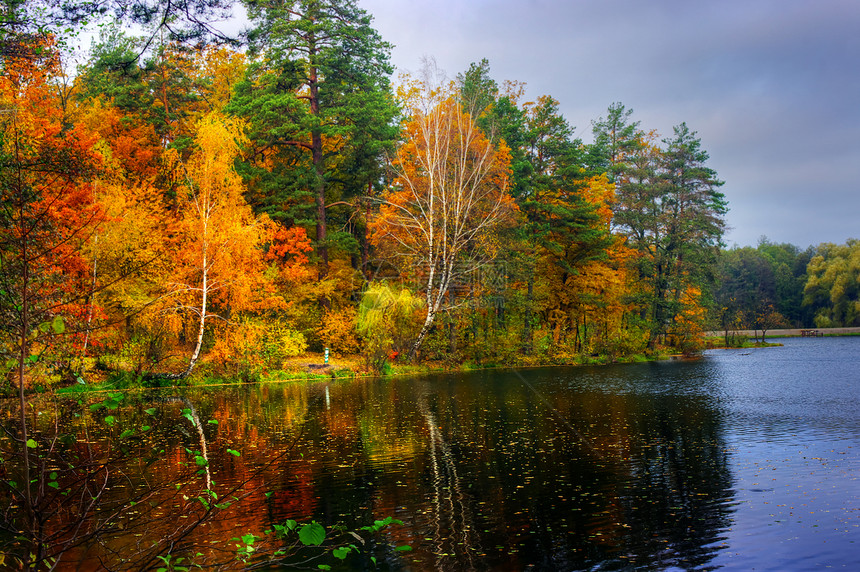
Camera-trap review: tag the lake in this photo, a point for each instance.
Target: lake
(740, 460)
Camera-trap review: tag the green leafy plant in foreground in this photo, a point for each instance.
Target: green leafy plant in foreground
(175, 564)
(300, 544)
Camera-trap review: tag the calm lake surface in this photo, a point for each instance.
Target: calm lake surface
(742, 460)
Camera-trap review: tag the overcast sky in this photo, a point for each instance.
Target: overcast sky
(771, 87)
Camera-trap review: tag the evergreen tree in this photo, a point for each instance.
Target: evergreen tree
(560, 220)
(616, 138)
(114, 73)
(691, 211)
(668, 208)
(478, 90)
(157, 89)
(319, 107)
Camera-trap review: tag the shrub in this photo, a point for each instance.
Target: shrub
(337, 331)
(253, 345)
(386, 322)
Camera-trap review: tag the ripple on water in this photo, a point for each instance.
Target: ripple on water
(738, 460)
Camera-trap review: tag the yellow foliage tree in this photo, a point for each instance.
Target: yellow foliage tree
(217, 71)
(834, 284)
(687, 328)
(219, 256)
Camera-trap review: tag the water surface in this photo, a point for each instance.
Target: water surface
(744, 459)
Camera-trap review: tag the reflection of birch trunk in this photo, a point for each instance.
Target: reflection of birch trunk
(204, 451)
(449, 499)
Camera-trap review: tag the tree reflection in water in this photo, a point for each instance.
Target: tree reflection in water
(451, 512)
(486, 471)
(565, 479)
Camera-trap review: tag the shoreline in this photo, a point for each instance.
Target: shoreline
(314, 371)
(310, 369)
(786, 332)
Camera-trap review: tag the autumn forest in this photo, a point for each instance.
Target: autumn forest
(176, 208)
(186, 213)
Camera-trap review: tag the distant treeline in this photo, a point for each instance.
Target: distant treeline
(780, 285)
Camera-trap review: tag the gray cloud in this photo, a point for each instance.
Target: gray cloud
(772, 87)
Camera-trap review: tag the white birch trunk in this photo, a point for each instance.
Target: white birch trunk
(446, 199)
(204, 291)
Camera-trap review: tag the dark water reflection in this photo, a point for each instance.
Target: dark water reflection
(741, 460)
(538, 469)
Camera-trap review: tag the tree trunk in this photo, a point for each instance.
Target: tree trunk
(527, 319)
(659, 308)
(318, 161)
(584, 340)
(365, 242)
(435, 292)
(90, 303)
(201, 329)
(22, 400)
(321, 233)
(428, 323)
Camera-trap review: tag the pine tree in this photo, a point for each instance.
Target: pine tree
(319, 109)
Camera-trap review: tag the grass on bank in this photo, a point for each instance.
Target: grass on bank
(310, 367)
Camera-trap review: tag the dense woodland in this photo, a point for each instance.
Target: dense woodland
(174, 205)
(185, 205)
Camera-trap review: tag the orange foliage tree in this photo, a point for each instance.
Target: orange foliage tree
(449, 195)
(128, 254)
(48, 214)
(48, 207)
(592, 302)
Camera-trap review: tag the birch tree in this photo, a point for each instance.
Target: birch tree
(449, 195)
(219, 254)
